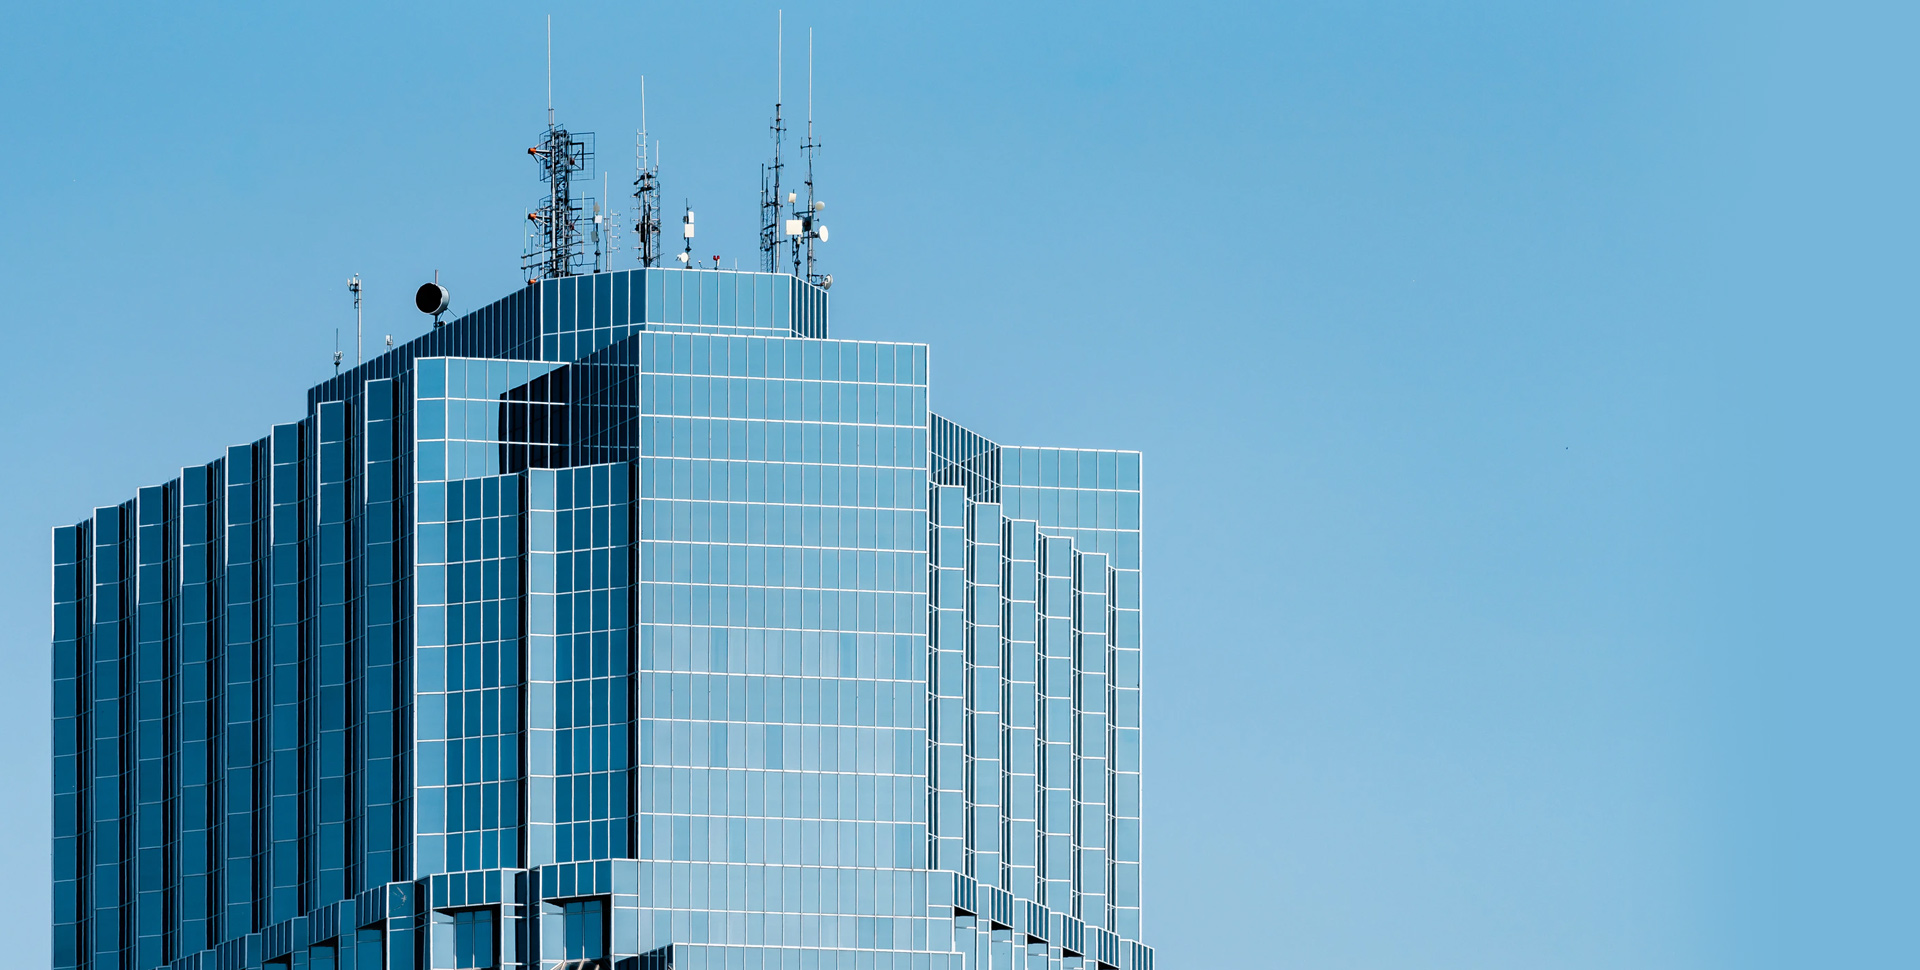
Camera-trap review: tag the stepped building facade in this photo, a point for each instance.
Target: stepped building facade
(631, 621)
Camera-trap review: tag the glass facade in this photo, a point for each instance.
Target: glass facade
(627, 622)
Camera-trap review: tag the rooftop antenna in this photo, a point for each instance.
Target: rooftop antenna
(686, 255)
(804, 224)
(646, 189)
(553, 234)
(599, 218)
(359, 330)
(770, 237)
(429, 298)
(336, 351)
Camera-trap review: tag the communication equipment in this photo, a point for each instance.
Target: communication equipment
(686, 255)
(431, 298)
(646, 188)
(805, 219)
(771, 239)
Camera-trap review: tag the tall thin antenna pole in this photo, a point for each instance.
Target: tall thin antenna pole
(808, 220)
(771, 237)
(549, 70)
(646, 188)
(359, 329)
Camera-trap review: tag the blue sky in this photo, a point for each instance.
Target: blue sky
(1525, 392)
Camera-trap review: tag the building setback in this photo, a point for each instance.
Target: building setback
(628, 622)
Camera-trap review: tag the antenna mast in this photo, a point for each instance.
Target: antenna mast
(598, 219)
(686, 229)
(553, 238)
(646, 189)
(359, 339)
(804, 223)
(770, 175)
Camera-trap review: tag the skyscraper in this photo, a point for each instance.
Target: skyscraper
(630, 621)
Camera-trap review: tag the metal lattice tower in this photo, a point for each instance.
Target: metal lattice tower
(553, 236)
(646, 194)
(646, 189)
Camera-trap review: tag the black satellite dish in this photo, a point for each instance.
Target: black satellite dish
(431, 298)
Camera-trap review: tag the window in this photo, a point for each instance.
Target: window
(473, 939)
(585, 937)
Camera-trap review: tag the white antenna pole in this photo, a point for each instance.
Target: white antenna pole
(809, 84)
(779, 57)
(549, 70)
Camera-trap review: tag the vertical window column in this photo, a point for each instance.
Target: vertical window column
(281, 688)
(1056, 723)
(68, 580)
(1123, 788)
(236, 780)
(580, 560)
(1020, 688)
(371, 836)
(946, 717)
(1090, 737)
(984, 658)
(200, 515)
(153, 578)
(470, 674)
(327, 711)
(107, 736)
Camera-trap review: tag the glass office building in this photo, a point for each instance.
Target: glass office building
(628, 622)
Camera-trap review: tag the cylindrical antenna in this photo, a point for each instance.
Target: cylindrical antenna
(549, 70)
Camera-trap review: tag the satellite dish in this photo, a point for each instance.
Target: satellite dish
(431, 298)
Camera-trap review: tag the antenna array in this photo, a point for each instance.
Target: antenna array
(553, 238)
(804, 225)
(646, 189)
(553, 234)
(770, 202)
